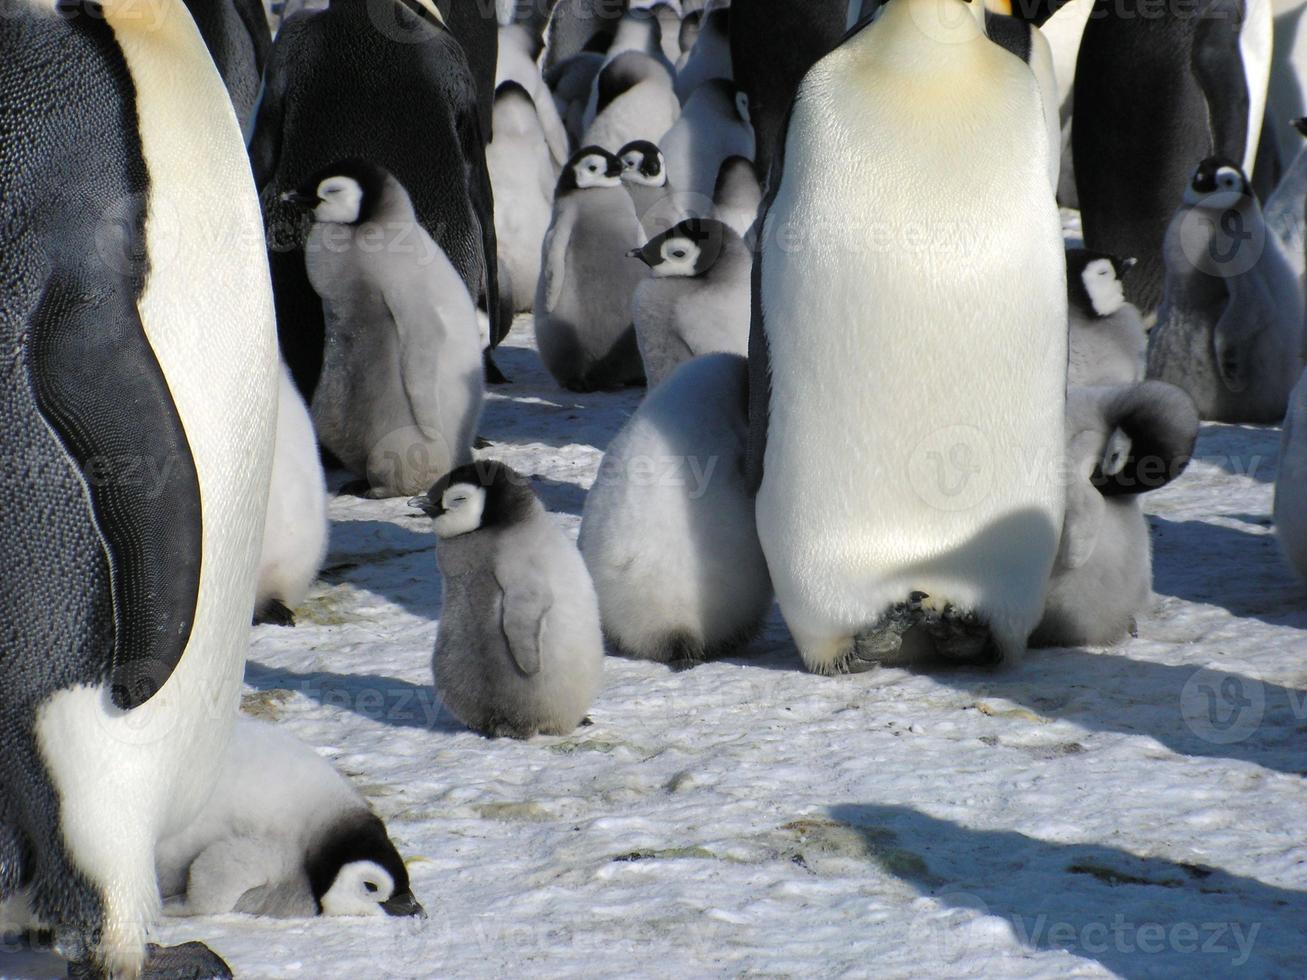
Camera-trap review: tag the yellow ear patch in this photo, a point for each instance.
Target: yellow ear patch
(1003, 7)
(434, 11)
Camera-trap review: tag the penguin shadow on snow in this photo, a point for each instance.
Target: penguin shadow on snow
(1251, 451)
(1135, 916)
(1110, 692)
(1192, 561)
(385, 700)
(387, 559)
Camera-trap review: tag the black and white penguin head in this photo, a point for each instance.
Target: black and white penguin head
(349, 192)
(643, 164)
(485, 494)
(356, 870)
(589, 168)
(689, 249)
(1094, 282)
(1218, 185)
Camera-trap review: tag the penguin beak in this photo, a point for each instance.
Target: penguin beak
(425, 504)
(635, 253)
(403, 904)
(298, 199)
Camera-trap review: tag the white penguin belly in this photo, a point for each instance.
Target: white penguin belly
(918, 355)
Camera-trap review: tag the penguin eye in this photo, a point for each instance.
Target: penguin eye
(371, 886)
(678, 253)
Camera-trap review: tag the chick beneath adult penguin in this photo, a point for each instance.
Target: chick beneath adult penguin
(1122, 442)
(401, 386)
(283, 835)
(1107, 339)
(696, 299)
(674, 550)
(583, 302)
(519, 650)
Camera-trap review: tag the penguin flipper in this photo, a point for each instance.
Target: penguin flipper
(1217, 64)
(522, 619)
(99, 386)
(268, 126)
(1084, 518)
(759, 386)
(1238, 328)
(554, 271)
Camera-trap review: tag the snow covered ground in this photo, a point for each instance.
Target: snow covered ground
(1138, 811)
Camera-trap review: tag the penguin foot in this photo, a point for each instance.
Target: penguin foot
(274, 612)
(189, 961)
(960, 637)
(883, 642)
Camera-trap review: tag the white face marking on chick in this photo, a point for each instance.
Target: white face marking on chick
(632, 174)
(679, 258)
(359, 889)
(592, 171)
(1227, 192)
(341, 200)
(461, 508)
(1106, 293)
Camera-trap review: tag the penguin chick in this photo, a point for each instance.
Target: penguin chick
(519, 51)
(696, 299)
(737, 196)
(1285, 209)
(633, 100)
(713, 127)
(571, 82)
(283, 835)
(523, 177)
(1291, 483)
(519, 649)
(668, 531)
(401, 386)
(644, 175)
(1230, 327)
(295, 528)
(583, 301)
(1122, 442)
(1107, 339)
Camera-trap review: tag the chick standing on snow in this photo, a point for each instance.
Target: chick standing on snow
(284, 835)
(519, 649)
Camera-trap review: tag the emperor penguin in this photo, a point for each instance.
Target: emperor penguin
(1230, 328)
(1107, 338)
(1121, 441)
(644, 175)
(519, 50)
(237, 36)
(136, 438)
(283, 835)
(519, 651)
(523, 175)
(1028, 43)
(353, 81)
(696, 299)
(714, 126)
(1286, 209)
(710, 57)
(634, 101)
(583, 323)
(675, 559)
(916, 544)
(401, 390)
(1291, 482)
(295, 530)
(737, 196)
(1154, 96)
(773, 44)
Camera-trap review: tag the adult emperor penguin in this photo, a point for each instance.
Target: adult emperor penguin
(696, 299)
(1230, 328)
(284, 835)
(675, 560)
(523, 175)
(583, 322)
(401, 393)
(1122, 442)
(330, 93)
(714, 126)
(520, 650)
(1107, 338)
(1291, 482)
(295, 530)
(136, 436)
(236, 34)
(1154, 96)
(710, 57)
(891, 521)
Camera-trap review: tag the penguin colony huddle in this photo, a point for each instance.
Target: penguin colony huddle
(825, 234)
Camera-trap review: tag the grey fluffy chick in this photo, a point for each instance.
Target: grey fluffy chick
(519, 650)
